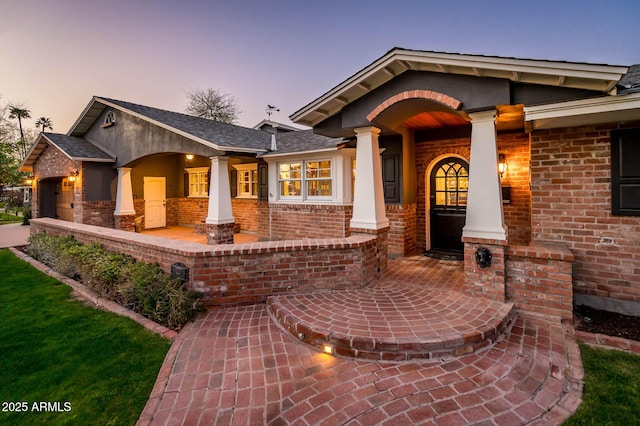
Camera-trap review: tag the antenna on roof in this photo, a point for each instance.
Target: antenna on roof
(270, 110)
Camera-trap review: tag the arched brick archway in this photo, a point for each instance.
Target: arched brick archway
(430, 95)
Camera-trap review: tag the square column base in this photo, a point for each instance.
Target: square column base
(125, 222)
(488, 282)
(382, 246)
(219, 233)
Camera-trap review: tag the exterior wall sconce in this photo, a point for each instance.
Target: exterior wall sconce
(189, 156)
(502, 164)
(73, 176)
(29, 180)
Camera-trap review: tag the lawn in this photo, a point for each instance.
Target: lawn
(9, 218)
(611, 388)
(88, 366)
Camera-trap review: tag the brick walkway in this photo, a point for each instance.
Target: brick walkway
(237, 366)
(411, 313)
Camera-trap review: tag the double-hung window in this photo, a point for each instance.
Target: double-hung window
(247, 180)
(317, 178)
(305, 180)
(290, 180)
(198, 181)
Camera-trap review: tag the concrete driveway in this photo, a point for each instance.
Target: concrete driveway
(13, 234)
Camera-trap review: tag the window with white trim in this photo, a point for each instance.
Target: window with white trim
(247, 180)
(305, 179)
(198, 181)
(318, 178)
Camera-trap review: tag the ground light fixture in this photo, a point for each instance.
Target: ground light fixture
(328, 349)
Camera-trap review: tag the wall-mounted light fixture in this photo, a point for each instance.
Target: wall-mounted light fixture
(502, 164)
(73, 176)
(189, 156)
(29, 180)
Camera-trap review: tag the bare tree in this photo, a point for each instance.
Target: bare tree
(212, 104)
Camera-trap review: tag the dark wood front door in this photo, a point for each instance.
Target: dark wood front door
(449, 184)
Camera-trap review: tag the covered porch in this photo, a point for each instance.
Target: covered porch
(186, 233)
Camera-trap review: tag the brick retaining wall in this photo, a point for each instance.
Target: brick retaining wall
(243, 273)
(539, 279)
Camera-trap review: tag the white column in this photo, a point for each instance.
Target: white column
(368, 197)
(219, 193)
(124, 193)
(485, 217)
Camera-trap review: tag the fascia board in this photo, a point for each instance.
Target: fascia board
(583, 106)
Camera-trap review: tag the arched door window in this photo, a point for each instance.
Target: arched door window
(450, 183)
(448, 203)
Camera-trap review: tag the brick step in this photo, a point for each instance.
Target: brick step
(393, 322)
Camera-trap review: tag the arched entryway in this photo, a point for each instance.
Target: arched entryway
(448, 183)
(56, 198)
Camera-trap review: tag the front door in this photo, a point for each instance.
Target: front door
(155, 202)
(64, 200)
(448, 203)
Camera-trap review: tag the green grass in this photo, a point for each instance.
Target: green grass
(611, 388)
(54, 349)
(9, 218)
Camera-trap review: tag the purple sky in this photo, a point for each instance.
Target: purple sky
(55, 55)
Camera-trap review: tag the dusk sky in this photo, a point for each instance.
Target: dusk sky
(56, 54)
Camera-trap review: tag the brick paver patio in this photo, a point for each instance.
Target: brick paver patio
(238, 366)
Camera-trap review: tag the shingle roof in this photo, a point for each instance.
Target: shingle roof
(76, 147)
(73, 147)
(220, 134)
(301, 141)
(630, 82)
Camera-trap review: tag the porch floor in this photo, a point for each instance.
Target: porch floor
(417, 310)
(185, 233)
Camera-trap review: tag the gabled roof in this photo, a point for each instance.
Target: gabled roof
(217, 135)
(302, 141)
(76, 149)
(268, 125)
(597, 77)
(631, 80)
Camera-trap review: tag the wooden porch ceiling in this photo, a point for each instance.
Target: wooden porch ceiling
(509, 117)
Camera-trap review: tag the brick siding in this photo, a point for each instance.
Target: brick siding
(517, 214)
(515, 146)
(571, 192)
(402, 229)
(98, 213)
(244, 273)
(245, 213)
(192, 210)
(294, 221)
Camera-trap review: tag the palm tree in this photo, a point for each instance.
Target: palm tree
(19, 113)
(45, 123)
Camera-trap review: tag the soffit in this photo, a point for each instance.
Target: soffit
(551, 73)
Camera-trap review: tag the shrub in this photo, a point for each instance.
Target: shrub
(26, 216)
(141, 287)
